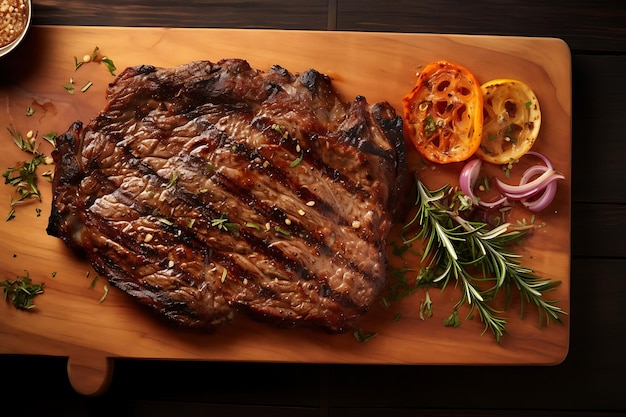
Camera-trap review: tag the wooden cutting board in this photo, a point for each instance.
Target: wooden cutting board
(71, 320)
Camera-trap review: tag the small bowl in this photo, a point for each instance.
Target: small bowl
(11, 46)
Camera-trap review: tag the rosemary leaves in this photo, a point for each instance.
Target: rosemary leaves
(21, 291)
(476, 257)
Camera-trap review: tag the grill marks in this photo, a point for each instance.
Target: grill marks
(210, 186)
(177, 230)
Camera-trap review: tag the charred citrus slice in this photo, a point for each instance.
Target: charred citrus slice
(443, 113)
(511, 120)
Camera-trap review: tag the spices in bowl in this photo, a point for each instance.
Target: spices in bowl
(14, 20)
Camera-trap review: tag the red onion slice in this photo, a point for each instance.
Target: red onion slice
(549, 192)
(528, 189)
(469, 176)
(467, 182)
(544, 158)
(537, 181)
(543, 201)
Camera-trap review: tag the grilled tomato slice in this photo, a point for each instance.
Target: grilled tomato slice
(444, 113)
(511, 120)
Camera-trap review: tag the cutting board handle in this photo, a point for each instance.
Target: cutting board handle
(90, 372)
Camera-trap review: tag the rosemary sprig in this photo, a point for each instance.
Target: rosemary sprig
(26, 144)
(476, 257)
(24, 178)
(507, 271)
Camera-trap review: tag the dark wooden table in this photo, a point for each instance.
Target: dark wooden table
(590, 382)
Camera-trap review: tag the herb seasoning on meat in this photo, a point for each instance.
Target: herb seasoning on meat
(210, 188)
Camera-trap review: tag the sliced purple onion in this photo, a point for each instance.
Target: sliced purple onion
(543, 201)
(536, 189)
(528, 189)
(467, 181)
(469, 176)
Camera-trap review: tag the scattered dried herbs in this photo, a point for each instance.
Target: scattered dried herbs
(21, 292)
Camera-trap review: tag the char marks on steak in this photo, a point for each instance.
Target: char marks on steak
(210, 188)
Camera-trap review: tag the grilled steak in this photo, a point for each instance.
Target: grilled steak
(210, 188)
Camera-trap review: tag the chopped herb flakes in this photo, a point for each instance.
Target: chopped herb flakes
(426, 307)
(282, 231)
(399, 250)
(173, 180)
(51, 138)
(21, 292)
(25, 172)
(277, 128)
(96, 57)
(453, 320)
(429, 126)
(165, 221)
(11, 214)
(77, 63)
(26, 144)
(86, 86)
(69, 87)
(109, 64)
(23, 178)
(297, 161)
(224, 224)
(95, 53)
(94, 281)
(253, 226)
(106, 292)
(362, 337)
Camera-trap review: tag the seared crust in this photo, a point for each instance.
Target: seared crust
(212, 187)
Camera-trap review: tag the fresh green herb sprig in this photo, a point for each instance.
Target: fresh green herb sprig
(21, 292)
(27, 144)
(477, 258)
(23, 176)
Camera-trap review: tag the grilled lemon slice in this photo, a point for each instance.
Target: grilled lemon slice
(511, 120)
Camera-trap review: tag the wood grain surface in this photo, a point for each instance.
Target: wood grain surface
(70, 320)
(588, 383)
